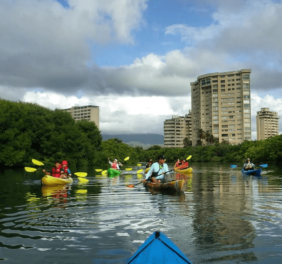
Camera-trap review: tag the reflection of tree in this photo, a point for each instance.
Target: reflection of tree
(218, 216)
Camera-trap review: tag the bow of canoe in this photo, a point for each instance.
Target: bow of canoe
(158, 248)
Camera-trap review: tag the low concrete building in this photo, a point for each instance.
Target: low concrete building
(88, 112)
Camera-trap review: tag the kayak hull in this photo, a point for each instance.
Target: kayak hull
(256, 172)
(175, 186)
(187, 170)
(113, 172)
(52, 181)
(158, 248)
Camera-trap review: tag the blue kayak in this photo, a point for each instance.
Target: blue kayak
(158, 248)
(256, 172)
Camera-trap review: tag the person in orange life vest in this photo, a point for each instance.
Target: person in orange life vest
(114, 164)
(177, 163)
(65, 171)
(56, 170)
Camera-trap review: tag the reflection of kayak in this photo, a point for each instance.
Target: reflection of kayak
(187, 170)
(158, 248)
(256, 172)
(113, 172)
(50, 190)
(175, 186)
(50, 180)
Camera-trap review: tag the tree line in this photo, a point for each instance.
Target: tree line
(31, 131)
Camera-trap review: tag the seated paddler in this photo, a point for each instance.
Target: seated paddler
(248, 165)
(114, 164)
(56, 170)
(157, 170)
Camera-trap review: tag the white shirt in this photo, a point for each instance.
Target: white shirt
(156, 168)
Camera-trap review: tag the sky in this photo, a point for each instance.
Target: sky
(135, 59)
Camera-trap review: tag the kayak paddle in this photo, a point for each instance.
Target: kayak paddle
(80, 174)
(189, 157)
(37, 162)
(264, 165)
(233, 166)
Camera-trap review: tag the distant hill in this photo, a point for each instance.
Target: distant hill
(151, 139)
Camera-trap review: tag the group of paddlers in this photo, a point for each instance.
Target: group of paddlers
(60, 170)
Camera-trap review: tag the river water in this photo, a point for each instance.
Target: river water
(221, 217)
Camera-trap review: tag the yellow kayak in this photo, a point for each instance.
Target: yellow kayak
(187, 170)
(51, 181)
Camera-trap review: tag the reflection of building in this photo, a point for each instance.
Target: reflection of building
(267, 124)
(221, 106)
(176, 130)
(88, 112)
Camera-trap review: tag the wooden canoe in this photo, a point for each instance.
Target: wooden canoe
(51, 181)
(175, 186)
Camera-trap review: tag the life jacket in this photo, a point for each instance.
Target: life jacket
(65, 169)
(114, 166)
(56, 172)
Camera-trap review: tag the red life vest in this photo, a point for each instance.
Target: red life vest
(114, 166)
(65, 169)
(56, 172)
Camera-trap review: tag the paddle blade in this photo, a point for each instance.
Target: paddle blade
(139, 171)
(80, 174)
(189, 157)
(128, 169)
(98, 170)
(130, 186)
(29, 169)
(233, 166)
(264, 165)
(127, 158)
(104, 172)
(83, 180)
(139, 164)
(37, 162)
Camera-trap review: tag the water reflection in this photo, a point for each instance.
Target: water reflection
(221, 216)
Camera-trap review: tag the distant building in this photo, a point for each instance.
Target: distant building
(267, 124)
(221, 106)
(176, 130)
(88, 112)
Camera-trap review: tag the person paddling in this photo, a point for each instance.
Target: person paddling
(248, 165)
(149, 164)
(114, 164)
(177, 164)
(56, 170)
(65, 171)
(157, 170)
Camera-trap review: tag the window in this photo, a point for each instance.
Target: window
(224, 135)
(214, 90)
(246, 76)
(222, 86)
(214, 86)
(222, 90)
(246, 106)
(246, 86)
(214, 81)
(246, 96)
(215, 117)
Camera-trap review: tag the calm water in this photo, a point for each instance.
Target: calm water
(222, 217)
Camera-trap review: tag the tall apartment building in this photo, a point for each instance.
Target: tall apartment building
(88, 112)
(221, 106)
(176, 129)
(267, 124)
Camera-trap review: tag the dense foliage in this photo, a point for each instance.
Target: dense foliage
(31, 131)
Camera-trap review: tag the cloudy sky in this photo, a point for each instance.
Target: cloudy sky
(135, 59)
